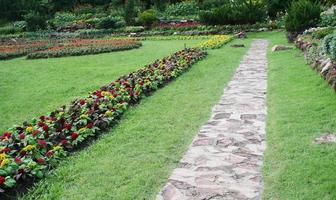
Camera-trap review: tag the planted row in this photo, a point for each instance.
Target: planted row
(21, 48)
(215, 42)
(29, 151)
(85, 47)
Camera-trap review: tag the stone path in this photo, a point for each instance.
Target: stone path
(225, 159)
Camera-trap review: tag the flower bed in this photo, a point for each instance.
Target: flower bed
(29, 151)
(215, 42)
(80, 47)
(13, 50)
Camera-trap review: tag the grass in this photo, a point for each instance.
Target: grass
(30, 88)
(135, 158)
(301, 107)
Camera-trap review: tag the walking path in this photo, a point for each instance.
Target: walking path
(224, 160)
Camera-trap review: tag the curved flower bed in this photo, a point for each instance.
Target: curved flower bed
(29, 151)
(215, 42)
(85, 47)
(9, 51)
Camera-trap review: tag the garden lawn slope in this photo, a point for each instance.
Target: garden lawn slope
(134, 160)
(301, 107)
(31, 88)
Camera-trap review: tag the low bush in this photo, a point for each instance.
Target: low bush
(30, 151)
(301, 15)
(235, 13)
(184, 8)
(321, 33)
(147, 17)
(35, 21)
(329, 45)
(328, 18)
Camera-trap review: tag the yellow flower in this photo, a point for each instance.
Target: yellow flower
(58, 148)
(4, 162)
(84, 116)
(109, 113)
(29, 129)
(105, 93)
(3, 156)
(29, 148)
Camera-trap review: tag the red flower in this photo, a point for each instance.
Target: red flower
(89, 125)
(7, 135)
(42, 118)
(5, 150)
(64, 142)
(35, 132)
(82, 102)
(46, 136)
(23, 153)
(41, 160)
(2, 180)
(40, 124)
(18, 160)
(45, 128)
(22, 136)
(74, 136)
(42, 143)
(49, 153)
(67, 126)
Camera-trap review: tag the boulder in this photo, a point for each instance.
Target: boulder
(281, 48)
(241, 35)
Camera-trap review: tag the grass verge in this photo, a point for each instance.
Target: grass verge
(300, 108)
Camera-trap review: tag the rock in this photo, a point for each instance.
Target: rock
(281, 48)
(241, 35)
(238, 45)
(328, 138)
(326, 67)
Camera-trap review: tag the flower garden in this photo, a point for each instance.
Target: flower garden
(100, 100)
(59, 48)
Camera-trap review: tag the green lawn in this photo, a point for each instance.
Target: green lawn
(135, 158)
(30, 88)
(301, 107)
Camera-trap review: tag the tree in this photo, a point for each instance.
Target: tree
(130, 12)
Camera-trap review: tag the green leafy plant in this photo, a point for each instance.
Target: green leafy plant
(184, 8)
(147, 17)
(301, 15)
(35, 21)
(241, 12)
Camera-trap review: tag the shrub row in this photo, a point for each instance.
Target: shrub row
(29, 151)
(80, 51)
(215, 42)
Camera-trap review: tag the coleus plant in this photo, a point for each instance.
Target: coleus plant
(31, 150)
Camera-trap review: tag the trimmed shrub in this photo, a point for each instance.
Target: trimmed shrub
(184, 8)
(246, 12)
(301, 15)
(35, 21)
(147, 17)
